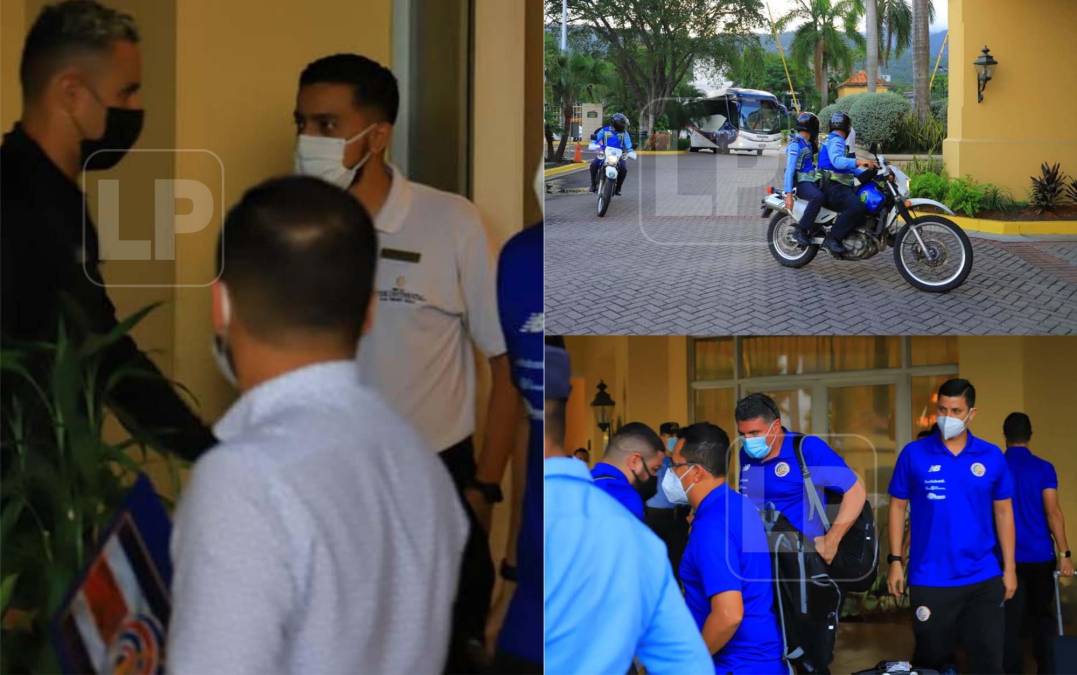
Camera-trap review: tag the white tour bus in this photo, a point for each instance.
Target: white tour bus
(737, 119)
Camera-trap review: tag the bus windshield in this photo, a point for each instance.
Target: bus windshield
(759, 115)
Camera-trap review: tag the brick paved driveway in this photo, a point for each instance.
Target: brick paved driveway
(683, 251)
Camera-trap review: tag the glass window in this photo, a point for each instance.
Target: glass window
(768, 356)
(860, 420)
(925, 395)
(714, 359)
(795, 406)
(933, 350)
(716, 406)
(760, 115)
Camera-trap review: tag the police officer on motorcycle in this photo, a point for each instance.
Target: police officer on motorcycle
(839, 172)
(800, 170)
(616, 133)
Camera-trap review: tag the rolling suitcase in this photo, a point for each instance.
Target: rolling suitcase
(1063, 649)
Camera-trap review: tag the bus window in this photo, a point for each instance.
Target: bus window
(760, 116)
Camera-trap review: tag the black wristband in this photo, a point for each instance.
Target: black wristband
(893, 558)
(1066, 554)
(491, 492)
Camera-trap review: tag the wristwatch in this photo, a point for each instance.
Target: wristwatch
(1066, 554)
(491, 492)
(893, 558)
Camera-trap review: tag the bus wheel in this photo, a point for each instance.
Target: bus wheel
(758, 153)
(692, 148)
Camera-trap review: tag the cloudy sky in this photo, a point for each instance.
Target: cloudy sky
(779, 7)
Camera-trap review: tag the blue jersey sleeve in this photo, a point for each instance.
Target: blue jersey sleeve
(899, 482)
(628, 142)
(1050, 477)
(792, 154)
(827, 467)
(1003, 487)
(671, 642)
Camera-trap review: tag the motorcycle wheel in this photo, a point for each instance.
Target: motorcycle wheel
(947, 262)
(781, 244)
(605, 194)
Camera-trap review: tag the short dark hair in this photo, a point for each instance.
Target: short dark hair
(583, 450)
(924, 433)
(298, 256)
(668, 428)
(66, 30)
(959, 387)
(1017, 428)
(707, 445)
(756, 405)
(374, 85)
(634, 431)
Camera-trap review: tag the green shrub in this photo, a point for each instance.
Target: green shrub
(844, 104)
(1071, 190)
(998, 199)
(1047, 188)
(965, 196)
(876, 117)
(912, 135)
(929, 185)
(938, 110)
(920, 165)
(683, 143)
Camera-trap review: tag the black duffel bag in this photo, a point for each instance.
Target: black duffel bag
(856, 562)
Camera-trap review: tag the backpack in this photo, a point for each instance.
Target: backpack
(807, 600)
(855, 565)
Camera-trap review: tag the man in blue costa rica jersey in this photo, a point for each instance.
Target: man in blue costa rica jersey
(726, 565)
(629, 468)
(1037, 518)
(961, 492)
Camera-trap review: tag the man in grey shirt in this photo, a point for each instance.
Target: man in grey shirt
(321, 535)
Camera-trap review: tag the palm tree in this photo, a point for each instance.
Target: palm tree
(571, 76)
(825, 36)
(871, 23)
(921, 57)
(894, 18)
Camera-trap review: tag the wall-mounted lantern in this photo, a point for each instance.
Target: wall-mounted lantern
(985, 69)
(603, 407)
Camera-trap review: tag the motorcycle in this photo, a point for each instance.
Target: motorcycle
(607, 175)
(931, 252)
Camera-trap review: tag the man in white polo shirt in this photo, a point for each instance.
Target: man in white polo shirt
(436, 299)
(319, 536)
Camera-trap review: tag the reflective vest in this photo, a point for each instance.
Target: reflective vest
(843, 176)
(805, 162)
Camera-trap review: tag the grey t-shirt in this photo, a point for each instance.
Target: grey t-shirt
(321, 536)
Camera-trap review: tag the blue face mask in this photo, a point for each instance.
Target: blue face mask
(756, 447)
(671, 443)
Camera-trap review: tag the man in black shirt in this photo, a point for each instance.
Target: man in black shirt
(80, 76)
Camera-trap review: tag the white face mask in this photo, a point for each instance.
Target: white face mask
(674, 489)
(951, 426)
(323, 157)
(222, 353)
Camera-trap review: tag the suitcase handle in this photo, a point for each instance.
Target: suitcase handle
(1058, 602)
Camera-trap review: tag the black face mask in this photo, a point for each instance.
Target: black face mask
(122, 128)
(646, 488)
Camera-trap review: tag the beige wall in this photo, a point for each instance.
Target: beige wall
(1026, 117)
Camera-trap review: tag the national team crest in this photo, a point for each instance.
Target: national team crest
(978, 470)
(923, 613)
(781, 470)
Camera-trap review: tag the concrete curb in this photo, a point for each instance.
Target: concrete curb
(562, 170)
(1025, 228)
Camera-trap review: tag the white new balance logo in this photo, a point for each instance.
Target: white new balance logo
(934, 468)
(534, 324)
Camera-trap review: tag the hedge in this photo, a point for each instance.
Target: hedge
(876, 117)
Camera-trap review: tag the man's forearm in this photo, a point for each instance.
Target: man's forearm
(852, 502)
(897, 524)
(1057, 522)
(502, 418)
(718, 631)
(1005, 530)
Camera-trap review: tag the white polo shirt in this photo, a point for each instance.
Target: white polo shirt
(435, 288)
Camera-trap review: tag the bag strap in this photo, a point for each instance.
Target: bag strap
(809, 485)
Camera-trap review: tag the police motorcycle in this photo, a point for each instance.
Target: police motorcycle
(611, 156)
(931, 252)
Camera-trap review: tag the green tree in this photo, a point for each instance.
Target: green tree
(827, 38)
(921, 57)
(655, 45)
(756, 68)
(894, 20)
(569, 76)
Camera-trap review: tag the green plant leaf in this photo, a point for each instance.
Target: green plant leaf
(7, 587)
(96, 343)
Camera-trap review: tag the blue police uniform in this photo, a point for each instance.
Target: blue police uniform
(727, 551)
(779, 481)
(608, 136)
(800, 171)
(613, 481)
(954, 567)
(840, 195)
(519, 301)
(609, 591)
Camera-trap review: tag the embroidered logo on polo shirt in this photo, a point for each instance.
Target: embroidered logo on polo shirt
(534, 324)
(781, 469)
(978, 469)
(923, 613)
(398, 294)
(934, 468)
